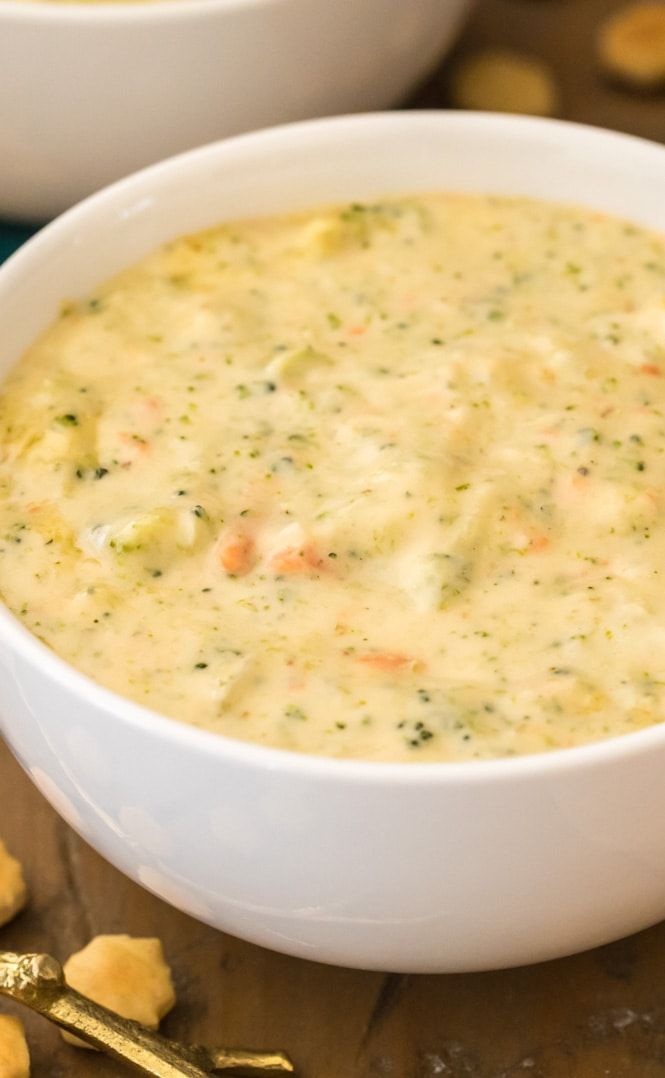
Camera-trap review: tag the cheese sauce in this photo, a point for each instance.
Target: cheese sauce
(384, 481)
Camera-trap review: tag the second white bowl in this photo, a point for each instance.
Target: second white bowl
(92, 91)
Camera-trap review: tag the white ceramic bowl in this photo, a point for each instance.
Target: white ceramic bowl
(400, 867)
(90, 92)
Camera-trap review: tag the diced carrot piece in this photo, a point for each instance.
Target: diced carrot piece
(538, 543)
(386, 660)
(147, 408)
(236, 555)
(134, 441)
(357, 331)
(652, 369)
(579, 482)
(293, 560)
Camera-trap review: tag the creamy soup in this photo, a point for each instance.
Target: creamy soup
(384, 481)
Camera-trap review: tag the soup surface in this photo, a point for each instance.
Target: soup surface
(384, 481)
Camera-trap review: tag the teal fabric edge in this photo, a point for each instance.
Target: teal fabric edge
(11, 237)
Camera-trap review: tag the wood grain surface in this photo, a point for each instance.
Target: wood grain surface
(592, 1015)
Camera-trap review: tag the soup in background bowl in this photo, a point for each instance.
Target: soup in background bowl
(431, 866)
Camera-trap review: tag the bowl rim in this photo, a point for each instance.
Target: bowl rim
(82, 12)
(15, 636)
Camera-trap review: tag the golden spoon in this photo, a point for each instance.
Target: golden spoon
(38, 981)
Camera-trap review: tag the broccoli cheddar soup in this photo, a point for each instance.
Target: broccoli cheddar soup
(385, 481)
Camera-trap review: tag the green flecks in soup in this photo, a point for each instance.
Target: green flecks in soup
(384, 481)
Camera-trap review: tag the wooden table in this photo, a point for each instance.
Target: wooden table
(593, 1015)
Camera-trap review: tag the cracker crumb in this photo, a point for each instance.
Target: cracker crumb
(14, 1055)
(498, 80)
(631, 45)
(13, 892)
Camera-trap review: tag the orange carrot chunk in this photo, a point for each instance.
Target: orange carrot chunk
(293, 560)
(134, 441)
(386, 660)
(652, 369)
(236, 555)
(537, 543)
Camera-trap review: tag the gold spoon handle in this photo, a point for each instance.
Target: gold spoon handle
(243, 1062)
(39, 982)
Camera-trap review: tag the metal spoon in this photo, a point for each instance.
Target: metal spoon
(38, 981)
